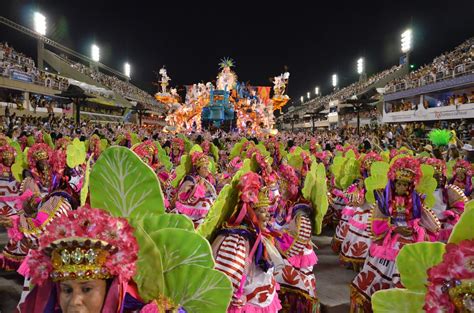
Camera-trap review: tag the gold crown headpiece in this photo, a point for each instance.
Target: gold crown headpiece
(8, 154)
(263, 199)
(201, 161)
(405, 174)
(80, 258)
(40, 155)
(462, 295)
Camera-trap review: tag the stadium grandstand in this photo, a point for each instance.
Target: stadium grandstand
(443, 89)
(63, 81)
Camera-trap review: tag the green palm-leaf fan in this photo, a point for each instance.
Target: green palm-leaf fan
(413, 262)
(175, 265)
(237, 148)
(377, 180)
(185, 166)
(188, 144)
(215, 152)
(76, 153)
(225, 203)
(351, 171)
(48, 140)
(315, 191)
(439, 137)
(427, 185)
(163, 157)
(336, 170)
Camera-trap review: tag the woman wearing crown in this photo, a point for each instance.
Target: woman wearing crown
(399, 218)
(296, 277)
(450, 200)
(83, 263)
(177, 150)
(356, 243)
(462, 178)
(196, 192)
(45, 169)
(243, 250)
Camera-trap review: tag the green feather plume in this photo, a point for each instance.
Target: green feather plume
(440, 137)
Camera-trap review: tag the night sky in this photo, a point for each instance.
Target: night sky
(313, 39)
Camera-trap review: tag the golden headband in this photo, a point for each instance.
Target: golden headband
(80, 259)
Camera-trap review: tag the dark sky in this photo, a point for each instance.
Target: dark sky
(314, 39)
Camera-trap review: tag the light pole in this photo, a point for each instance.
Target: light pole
(334, 81)
(316, 91)
(40, 27)
(95, 55)
(127, 69)
(308, 95)
(406, 45)
(361, 69)
(302, 99)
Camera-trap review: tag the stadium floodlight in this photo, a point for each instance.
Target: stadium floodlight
(316, 91)
(308, 94)
(334, 80)
(302, 99)
(406, 40)
(40, 23)
(126, 68)
(360, 66)
(95, 52)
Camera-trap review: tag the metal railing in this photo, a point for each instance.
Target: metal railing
(459, 70)
(46, 82)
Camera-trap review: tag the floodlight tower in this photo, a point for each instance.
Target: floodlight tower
(361, 69)
(302, 99)
(39, 21)
(406, 45)
(334, 81)
(316, 91)
(308, 94)
(95, 56)
(127, 70)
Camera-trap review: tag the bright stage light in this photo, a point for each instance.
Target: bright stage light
(40, 23)
(308, 94)
(95, 52)
(127, 69)
(334, 80)
(406, 40)
(316, 91)
(360, 66)
(302, 99)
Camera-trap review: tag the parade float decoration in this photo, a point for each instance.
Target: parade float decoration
(227, 105)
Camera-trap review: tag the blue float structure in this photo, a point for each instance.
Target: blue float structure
(219, 112)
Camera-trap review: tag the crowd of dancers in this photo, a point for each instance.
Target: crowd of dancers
(128, 221)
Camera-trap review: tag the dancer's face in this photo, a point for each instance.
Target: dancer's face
(263, 216)
(401, 187)
(82, 296)
(203, 171)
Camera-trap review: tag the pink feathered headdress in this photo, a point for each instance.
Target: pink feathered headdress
(368, 159)
(407, 169)
(39, 151)
(290, 179)
(179, 142)
(463, 164)
(438, 165)
(7, 150)
(236, 163)
(85, 244)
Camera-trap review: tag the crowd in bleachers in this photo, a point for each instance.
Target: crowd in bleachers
(454, 99)
(354, 88)
(13, 61)
(123, 88)
(449, 64)
(370, 114)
